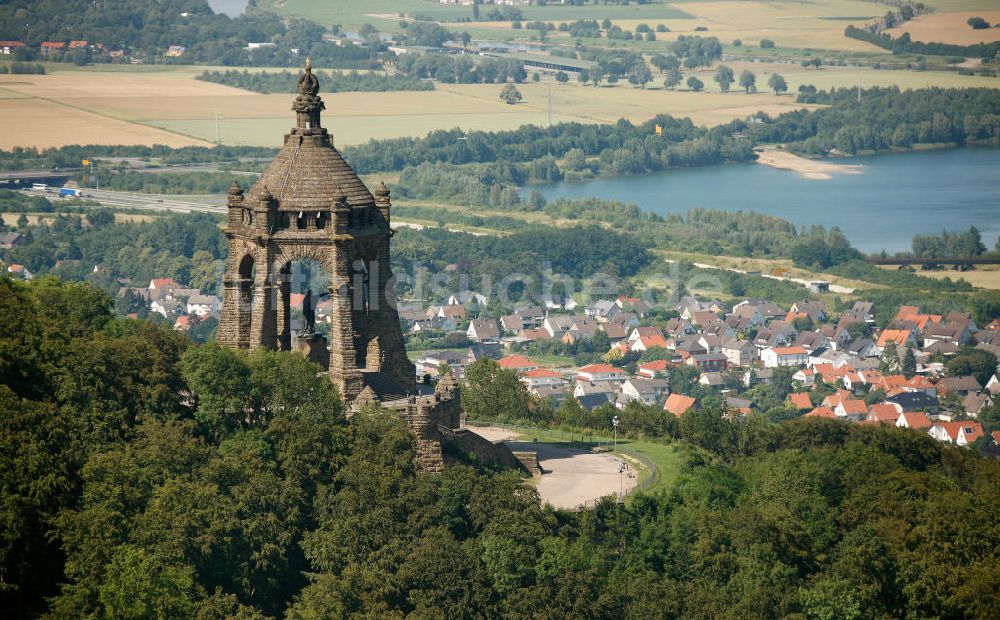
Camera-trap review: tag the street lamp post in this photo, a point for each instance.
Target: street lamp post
(614, 423)
(621, 481)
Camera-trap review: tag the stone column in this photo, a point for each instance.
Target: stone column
(344, 369)
(385, 319)
(283, 312)
(235, 206)
(228, 333)
(264, 317)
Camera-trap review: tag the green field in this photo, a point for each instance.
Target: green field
(385, 13)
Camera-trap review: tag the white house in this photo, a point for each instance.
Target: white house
(540, 377)
(739, 352)
(960, 433)
(556, 326)
(600, 372)
(460, 299)
(482, 329)
(775, 357)
(586, 388)
(649, 391)
(805, 376)
(165, 307)
(19, 271)
(203, 305)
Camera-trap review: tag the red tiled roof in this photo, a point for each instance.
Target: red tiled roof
(53, 44)
(891, 382)
(655, 340)
(836, 398)
(162, 283)
(853, 406)
(678, 403)
(919, 382)
(542, 373)
(598, 369)
(536, 334)
(796, 350)
(973, 430)
(516, 362)
(648, 330)
(870, 376)
(655, 365)
(11, 44)
(883, 413)
(897, 336)
(800, 400)
(821, 412)
(453, 312)
(916, 420)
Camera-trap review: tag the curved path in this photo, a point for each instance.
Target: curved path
(571, 478)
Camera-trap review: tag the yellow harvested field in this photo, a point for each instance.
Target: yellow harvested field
(10, 219)
(788, 24)
(983, 276)
(70, 85)
(588, 104)
(43, 124)
(171, 107)
(950, 28)
(358, 128)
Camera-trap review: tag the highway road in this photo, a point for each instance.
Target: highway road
(212, 203)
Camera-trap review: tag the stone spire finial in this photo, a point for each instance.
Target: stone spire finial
(382, 191)
(308, 83)
(235, 189)
(308, 105)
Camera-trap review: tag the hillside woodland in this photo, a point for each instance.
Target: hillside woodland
(142, 475)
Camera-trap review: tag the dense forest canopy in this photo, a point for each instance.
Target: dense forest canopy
(142, 475)
(887, 117)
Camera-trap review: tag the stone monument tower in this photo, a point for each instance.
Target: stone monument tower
(309, 205)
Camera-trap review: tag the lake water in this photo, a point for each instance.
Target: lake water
(232, 8)
(894, 197)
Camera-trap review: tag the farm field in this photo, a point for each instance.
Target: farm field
(983, 276)
(169, 106)
(43, 124)
(350, 13)
(951, 28)
(10, 219)
(789, 24)
(792, 23)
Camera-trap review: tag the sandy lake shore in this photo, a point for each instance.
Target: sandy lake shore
(807, 168)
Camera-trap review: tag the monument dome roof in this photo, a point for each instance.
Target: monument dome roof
(308, 172)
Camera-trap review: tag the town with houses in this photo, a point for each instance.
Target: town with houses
(839, 367)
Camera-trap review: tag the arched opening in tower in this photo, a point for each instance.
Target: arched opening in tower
(247, 276)
(304, 307)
